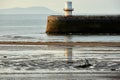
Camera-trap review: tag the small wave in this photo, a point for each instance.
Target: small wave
(23, 37)
(18, 37)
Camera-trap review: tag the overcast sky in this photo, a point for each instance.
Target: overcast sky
(80, 6)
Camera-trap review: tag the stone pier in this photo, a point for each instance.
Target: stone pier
(83, 24)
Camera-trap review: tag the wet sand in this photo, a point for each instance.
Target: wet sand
(39, 61)
(63, 43)
(63, 76)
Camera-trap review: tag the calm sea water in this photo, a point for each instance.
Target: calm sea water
(31, 27)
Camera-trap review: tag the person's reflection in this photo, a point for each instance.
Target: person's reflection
(68, 54)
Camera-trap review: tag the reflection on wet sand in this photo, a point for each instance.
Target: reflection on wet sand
(68, 50)
(68, 54)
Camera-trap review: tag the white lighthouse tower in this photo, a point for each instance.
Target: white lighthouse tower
(68, 8)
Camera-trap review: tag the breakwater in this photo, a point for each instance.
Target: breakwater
(83, 24)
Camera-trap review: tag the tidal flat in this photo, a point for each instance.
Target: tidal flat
(50, 62)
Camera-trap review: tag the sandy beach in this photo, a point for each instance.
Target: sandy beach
(63, 43)
(46, 61)
(64, 76)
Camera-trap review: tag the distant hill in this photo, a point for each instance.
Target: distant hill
(30, 10)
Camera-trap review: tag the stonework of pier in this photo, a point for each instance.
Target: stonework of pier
(83, 24)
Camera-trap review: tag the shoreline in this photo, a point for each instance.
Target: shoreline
(63, 76)
(63, 72)
(110, 44)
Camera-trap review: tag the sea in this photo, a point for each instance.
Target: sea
(32, 27)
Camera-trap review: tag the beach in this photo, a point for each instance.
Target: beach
(64, 76)
(63, 43)
(47, 60)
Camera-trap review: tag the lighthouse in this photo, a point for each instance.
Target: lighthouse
(68, 8)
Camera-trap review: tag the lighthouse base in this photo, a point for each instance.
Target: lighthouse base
(83, 24)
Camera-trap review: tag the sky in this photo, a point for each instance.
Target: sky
(80, 6)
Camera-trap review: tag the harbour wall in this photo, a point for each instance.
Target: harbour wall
(83, 24)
